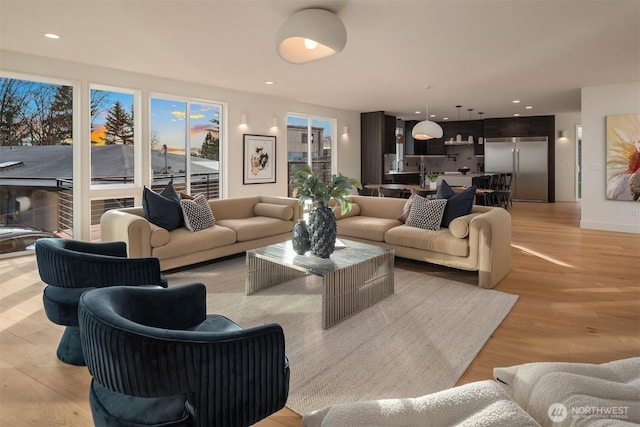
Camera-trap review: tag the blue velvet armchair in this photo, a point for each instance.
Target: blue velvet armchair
(71, 267)
(158, 359)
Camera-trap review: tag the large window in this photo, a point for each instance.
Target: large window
(113, 136)
(36, 154)
(185, 144)
(309, 141)
(54, 182)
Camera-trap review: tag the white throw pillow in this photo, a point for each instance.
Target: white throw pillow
(426, 213)
(197, 213)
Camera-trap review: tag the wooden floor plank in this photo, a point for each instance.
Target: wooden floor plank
(579, 301)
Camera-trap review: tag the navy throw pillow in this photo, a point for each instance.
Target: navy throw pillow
(163, 209)
(445, 191)
(459, 205)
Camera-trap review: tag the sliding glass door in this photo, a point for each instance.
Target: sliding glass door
(310, 141)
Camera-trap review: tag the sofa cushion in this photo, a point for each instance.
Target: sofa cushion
(256, 227)
(184, 242)
(576, 393)
(406, 209)
(366, 227)
(458, 205)
(459, 227)
(426, 213)
(197, 213)
(185, 196)
(445, 191)
(440, 241)
(480, 403)
(273, 210)
(355, 210)
(163, 209)
(235, 207)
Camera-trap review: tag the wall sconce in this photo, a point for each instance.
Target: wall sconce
(274, 121)
(563, 134)
(243, 119)
(345, 130)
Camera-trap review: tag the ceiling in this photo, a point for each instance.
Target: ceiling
(477, 54)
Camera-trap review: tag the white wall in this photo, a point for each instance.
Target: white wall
(566, 161)
(258, 108)
(597, 103)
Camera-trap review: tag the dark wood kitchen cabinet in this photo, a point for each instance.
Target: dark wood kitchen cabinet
(520, 126)
(378, 136)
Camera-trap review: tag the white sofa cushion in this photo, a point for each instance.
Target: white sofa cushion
(197, 213)
(425, 213)
(575, 394)
(481, 403)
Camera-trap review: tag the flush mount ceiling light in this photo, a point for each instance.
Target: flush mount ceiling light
(426, 129)
(309, 35)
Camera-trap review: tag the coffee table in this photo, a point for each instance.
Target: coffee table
(354, 277)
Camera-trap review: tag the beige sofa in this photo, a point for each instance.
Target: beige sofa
(240, 223)
(480, 241)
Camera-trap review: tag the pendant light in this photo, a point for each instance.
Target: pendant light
(309, 35)
(426, 129)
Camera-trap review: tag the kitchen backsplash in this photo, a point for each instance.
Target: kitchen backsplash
(457, 157)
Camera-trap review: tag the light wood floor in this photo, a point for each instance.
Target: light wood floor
(579, 301)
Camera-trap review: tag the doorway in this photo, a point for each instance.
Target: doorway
(578, 162)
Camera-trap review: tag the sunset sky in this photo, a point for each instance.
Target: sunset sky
(168, 120)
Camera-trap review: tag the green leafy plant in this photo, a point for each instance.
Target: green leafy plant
(309, 185)
(432, 176)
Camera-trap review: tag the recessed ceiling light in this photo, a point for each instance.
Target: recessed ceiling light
(516, 101)
(528, 107)
(432, 115)
(268, 82)
(517, 114)
(445, 118)
(418, 112)
(51, 36)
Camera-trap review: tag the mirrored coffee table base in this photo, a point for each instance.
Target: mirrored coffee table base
(353, 278)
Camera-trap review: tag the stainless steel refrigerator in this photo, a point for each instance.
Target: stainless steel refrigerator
(526, 159)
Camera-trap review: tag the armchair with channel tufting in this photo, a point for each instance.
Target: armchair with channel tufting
(71, 267)
(158, 359)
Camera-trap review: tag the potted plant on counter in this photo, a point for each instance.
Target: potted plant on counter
(432, 177)
(310, 185)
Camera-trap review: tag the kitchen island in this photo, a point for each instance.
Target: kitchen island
(458, 179)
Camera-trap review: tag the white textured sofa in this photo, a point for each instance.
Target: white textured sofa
(480, 241)
(534, 394)
(240, 223)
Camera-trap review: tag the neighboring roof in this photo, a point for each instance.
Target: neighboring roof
(56, 161)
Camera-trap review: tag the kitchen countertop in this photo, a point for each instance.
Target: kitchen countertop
(445, 173)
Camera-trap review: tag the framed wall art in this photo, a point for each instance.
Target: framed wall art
(259, 159)
(623, 157)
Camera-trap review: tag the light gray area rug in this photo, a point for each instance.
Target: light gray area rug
(417, 341)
